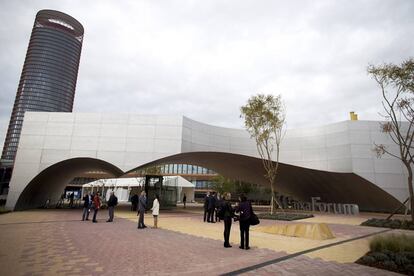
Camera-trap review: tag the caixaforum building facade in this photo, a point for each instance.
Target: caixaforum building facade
(335, 162)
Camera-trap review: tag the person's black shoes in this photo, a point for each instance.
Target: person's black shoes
(241, 247)
(227, 246)
(247, 248)
(94, 221)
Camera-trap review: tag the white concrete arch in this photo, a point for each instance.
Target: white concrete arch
(130, 140)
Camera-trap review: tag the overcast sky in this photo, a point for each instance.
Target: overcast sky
(204, 59)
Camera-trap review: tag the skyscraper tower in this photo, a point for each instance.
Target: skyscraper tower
(49, 74)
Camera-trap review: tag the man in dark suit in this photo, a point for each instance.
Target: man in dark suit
(112, 202)
(87, 202)
(142, 205)
(134, 202)
(206, 205)
(211, 207)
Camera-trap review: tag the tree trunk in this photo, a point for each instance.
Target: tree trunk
(272, 200)
(410, 189)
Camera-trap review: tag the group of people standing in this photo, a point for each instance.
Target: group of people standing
(214, 207)
(93, 202)
(211, 205)
(225, 211)
(142, 205)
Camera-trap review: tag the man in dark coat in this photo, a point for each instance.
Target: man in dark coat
(184, 199)
(134, 202)
(245, 210)
(227, 213)
(71, 197)
(219, 205)
(211, 207)
(87, 203)
(206, 205)
(142, 205)
(112, 202)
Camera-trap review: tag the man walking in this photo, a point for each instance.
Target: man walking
(184, 200)
(71, 197)
(142, 205)
(211, 208)
(97, 205)
(206, 205)
(112, 202)
(87, 202)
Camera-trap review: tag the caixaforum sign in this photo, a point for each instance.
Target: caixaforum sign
(336, 208)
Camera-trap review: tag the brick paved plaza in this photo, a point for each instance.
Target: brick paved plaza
(56, 242)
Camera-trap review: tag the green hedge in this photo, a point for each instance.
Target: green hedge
(391, 252)
(285, 216)
(3, 210)
(391, 223)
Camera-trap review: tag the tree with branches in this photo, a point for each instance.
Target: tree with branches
(396, 84)
(223, 184)
(264, 118)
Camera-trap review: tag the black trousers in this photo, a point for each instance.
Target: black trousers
(227, 227)
(210, 215)
(205, 214)
(244, 234)
(95, 212)
(141, 220)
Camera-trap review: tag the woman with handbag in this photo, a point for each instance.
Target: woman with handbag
(245, 210)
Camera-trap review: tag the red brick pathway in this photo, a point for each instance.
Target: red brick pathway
(66, 246)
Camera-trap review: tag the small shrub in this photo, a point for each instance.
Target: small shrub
(380, 257)
(3, 210)
(390, 265)
(285, 216)
(394, 224)
(408, 255)
(394, 243)
(409, 269)
(401, 260)
(404, 224)
(389, 253)
(368, 260)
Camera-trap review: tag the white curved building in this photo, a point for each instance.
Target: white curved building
(335, 162)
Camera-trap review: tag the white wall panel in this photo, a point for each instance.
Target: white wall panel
(57, 142)
(86, 130)
(31, 142)
(130, 140)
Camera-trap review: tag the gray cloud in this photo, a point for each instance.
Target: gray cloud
(204, 59)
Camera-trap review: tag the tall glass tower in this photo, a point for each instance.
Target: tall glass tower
(49, 74)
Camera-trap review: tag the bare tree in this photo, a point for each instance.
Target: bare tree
(264, 118)
(397, 88)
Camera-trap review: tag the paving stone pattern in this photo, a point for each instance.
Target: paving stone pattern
(56, 242)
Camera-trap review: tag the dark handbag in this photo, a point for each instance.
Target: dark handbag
(254, 220)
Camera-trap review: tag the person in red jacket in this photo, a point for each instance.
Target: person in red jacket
(96, 206)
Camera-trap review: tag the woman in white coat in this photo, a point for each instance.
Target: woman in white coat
(156, 210)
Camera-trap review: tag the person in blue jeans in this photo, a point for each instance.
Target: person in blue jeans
(87, 204)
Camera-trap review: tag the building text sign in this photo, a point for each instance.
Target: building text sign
(336, 208)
